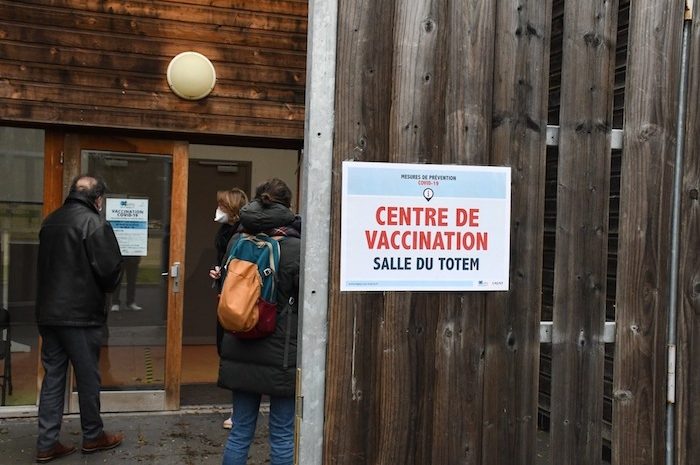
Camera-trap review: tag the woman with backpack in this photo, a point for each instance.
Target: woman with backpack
(228, 207)
(251, 368)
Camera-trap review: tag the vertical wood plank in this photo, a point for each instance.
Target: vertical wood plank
(688, 394)
(416, 122)
(512, 319)
(53, 171)
(459, 353)
(639, 384)
(363, 103)
(578, 350)
(469, 88)
(178, 225)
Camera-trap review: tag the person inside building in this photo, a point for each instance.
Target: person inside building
(228, 207)
(251, 368)
(79, 262)
(131, 270)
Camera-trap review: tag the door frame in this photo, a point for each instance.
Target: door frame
(62, 164)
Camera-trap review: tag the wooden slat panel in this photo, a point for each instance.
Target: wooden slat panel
(441, 84)
(362, 109)
(645, 205)
(140, 101)
(404, 369)
(90, 22)
(249, 16)
(424, 58)
(459, 358)
(25, 73)
(91, 63)
(688, 386)
(580, 276)
(293, 7)
(512, 319)
(119, 68)
(124, 43)
(171, 121)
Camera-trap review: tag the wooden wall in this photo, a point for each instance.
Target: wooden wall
(452, 378)
(428, 378)
(103, 64)
(651, 102)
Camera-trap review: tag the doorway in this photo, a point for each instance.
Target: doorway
(206, 178)
(213, 168)
(160, 352)
(147, 206)
(200, 360)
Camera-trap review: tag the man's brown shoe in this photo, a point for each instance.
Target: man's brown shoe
(103, 442)
(58, 450)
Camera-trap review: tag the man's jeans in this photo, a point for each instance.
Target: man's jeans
(245, 417)
(80, 345)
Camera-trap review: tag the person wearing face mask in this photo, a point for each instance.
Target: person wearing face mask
(229, 204)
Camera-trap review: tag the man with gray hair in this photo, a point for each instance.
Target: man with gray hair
(79, 262)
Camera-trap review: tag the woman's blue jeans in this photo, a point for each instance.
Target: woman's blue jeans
(245, 417)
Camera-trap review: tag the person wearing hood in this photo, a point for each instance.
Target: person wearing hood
(228, 207)
(79, 262)
(251, 368)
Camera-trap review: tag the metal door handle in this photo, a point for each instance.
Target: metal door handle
(175, 274)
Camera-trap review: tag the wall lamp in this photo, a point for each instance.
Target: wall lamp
(191, 75)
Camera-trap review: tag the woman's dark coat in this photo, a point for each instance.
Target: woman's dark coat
(267, 365)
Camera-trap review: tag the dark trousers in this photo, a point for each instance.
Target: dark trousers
(80, 346)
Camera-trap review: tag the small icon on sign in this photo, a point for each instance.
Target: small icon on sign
(428, 194)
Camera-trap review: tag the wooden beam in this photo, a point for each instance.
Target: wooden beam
(512, 319)
(173, 353)
(580, 274)
(651, 100)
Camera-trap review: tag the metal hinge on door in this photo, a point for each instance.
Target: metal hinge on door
(688, 10)
(671, 374)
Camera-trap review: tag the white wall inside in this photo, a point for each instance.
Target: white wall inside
(266, 163)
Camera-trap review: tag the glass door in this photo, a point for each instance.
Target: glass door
(146, 205)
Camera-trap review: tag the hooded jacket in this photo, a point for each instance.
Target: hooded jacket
(267, 365)
(79, 261)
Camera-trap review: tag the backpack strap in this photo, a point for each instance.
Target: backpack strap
(234, 248)
(263, 240)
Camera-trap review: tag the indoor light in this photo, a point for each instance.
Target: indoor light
(191, 75)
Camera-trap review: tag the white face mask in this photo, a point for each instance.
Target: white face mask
(220, 216)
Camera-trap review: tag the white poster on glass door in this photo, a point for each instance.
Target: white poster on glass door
(129, 219)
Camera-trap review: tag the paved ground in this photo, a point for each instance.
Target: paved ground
(193, 436)
(190, 437)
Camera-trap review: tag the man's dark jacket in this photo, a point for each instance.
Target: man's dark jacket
(79, 261)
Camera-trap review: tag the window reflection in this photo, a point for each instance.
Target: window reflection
(21, 199)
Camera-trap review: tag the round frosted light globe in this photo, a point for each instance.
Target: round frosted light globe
(191, 75)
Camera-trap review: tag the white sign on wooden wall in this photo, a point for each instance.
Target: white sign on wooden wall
(417, 227)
